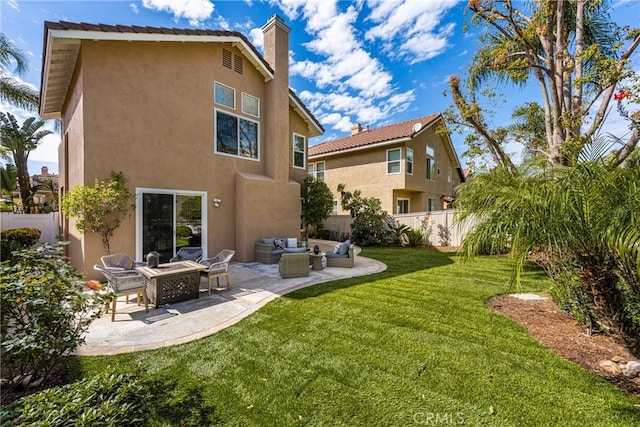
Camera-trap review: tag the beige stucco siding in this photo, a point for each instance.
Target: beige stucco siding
(366, 170)
(147, 109)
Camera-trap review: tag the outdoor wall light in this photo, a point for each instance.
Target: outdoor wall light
(216, 202)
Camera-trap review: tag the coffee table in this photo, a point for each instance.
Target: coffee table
(317, 260)
(172, 282)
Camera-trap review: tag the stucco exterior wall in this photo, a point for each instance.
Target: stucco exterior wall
(147, 109)
(366, 170)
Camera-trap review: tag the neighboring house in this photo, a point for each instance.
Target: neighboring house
(410, 166)
(47, 184)
(205, 129)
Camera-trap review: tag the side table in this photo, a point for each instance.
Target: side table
(317, 260)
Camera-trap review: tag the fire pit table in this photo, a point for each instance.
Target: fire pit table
(172, 282)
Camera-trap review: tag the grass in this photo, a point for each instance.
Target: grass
(411, 345)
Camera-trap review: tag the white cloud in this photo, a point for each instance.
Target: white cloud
(195, 11)
(411, 29)
(133, 7)
(13, 4)
(256, 37)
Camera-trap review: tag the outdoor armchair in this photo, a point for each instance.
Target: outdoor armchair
(294, 265)
(124, 282)
(188, 253)
(119, 262)
(218, 266)
(341, 260)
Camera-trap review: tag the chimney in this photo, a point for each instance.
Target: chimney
(356, 128)
(277, 141)
(44, 171)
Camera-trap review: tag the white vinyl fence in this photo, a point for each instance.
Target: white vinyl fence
(438, 226)
(46, 223)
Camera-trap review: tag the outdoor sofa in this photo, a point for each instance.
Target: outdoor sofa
(269, 250)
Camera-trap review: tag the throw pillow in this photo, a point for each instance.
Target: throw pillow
(337, 248)
(279, 244)
(344, 248)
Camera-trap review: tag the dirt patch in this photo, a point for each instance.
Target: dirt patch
(566, 337)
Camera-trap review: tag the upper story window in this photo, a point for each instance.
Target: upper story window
(431, 163)
(299, 143)
(236, 136)
(334, 209)
(450, 176)
(431, 204)
(393, 161)
(431, 152)
(316, 170)
(224, 95)
(409, 161)
(250, 105)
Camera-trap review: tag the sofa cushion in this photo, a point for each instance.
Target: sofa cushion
(344, 247)
(292, 242)
(335, 255)
(268, 240)
(279, 244)
(294, 250)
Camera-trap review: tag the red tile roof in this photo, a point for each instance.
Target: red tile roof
(374, 136)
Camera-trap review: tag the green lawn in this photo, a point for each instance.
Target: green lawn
(411, 346)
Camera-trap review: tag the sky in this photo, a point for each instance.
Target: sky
(375, 62)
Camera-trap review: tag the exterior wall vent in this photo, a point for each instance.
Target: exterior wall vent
(237, 64)
(226, 58)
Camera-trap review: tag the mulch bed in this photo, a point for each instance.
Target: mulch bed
(566, 337)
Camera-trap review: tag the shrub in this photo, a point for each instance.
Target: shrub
(414, 237)
(183, 231)
(43, 312)
(371, 225)
(108, 399)
(17, 238)
(399, 232)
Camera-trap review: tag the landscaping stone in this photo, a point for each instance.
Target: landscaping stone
(631, 369)
(610, 367)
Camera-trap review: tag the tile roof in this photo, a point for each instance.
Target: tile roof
(374, 136)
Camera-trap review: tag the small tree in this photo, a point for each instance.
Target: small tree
(371, 225)
(317, 202)
(101, 208)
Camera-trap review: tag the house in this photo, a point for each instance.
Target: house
(47, 189)
(204, 128)
(410, 166)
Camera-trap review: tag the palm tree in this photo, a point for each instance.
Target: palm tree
(20, 141)
(582, 220)
(9, 181)
(13, 90)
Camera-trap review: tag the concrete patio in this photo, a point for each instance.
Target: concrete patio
(252, 286)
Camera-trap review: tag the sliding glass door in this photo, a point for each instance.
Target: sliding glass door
(168, 220)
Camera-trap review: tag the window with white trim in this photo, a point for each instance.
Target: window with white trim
(250, 105)
(409, 161)
(450, 176)
(316, 170)
(299, 143)
(224, 95)
(393, 161)
(402, 206)
(431, 204)
(334, 210)
(236, 136)
(431, 152)
(431, 163)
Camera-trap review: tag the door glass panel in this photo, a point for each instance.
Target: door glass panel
(188, 221)
(157, 225)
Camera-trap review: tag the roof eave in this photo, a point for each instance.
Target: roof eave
(79, 35)
(362, 147)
